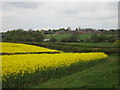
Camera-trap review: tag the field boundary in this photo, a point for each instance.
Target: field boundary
(29, 53)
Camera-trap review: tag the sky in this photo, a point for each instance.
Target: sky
(55, 15)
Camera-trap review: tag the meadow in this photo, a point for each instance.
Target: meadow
(80, 37)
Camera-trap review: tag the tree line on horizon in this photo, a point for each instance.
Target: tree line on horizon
(21, 35)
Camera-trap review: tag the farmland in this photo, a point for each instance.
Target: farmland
(56, 44)
(23, 48)
(13, 69)
(24, 69)
(104, 75)
(101, 44)
(80, 37)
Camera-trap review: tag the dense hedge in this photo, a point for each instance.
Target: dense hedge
(77, 48)
(77, 45)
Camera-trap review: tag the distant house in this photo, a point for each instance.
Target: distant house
(60, 32)
(46, 40)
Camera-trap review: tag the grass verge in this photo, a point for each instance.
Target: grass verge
(103, 75)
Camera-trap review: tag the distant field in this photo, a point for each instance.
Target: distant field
(20, 48)
(93, 44)
(60, 36)
(100, 44)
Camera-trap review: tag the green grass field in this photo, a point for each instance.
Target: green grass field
(60, 36)
(103, 75)
(101, 44)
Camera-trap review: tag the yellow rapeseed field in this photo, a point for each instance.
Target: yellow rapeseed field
(20, 48)
(14, 64)
(23, 69)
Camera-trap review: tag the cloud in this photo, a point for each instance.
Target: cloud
(23, 5)
(45, 15)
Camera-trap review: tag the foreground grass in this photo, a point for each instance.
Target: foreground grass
(104, 75)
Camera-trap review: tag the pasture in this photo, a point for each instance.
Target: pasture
(81, 36)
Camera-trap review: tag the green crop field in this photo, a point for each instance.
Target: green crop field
(60, 36)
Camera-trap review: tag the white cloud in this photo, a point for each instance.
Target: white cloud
(60, 0)
(46, 15)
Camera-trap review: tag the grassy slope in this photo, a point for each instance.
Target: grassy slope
(104, 75)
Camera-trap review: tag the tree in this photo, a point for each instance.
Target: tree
(76, 29)
(65, 39)
(111, 38)
(62, 29)
(53, 39)
(68, 29)
(74, 37)
(94, 38)
(116, 44)
(79, 28)
(102, 38)
(21, 35)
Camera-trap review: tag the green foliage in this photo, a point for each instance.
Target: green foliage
(102, 38)
(65, 39)
(94, 38)
(21, 35)
(53, 39)
(116, 44)
(84, 37)
(77, 48)
(111, 38)
(73, 38)
(61, 29)
(68, 29)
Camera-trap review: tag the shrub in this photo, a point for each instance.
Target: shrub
(53, 39)
(65, 39)
(94, 38)
(116, 44)
(79, 49)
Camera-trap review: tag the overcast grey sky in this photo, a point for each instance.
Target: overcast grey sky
(54, 15)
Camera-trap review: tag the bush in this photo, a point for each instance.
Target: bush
(65, 39)
(73, 38)
(94, 38)
(78, 49)
(116, 44)
(53, 39)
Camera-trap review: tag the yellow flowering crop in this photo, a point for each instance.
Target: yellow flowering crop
(23, 69)
(14, 64)
(20, 48)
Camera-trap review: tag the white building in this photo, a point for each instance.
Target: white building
(46, 40)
